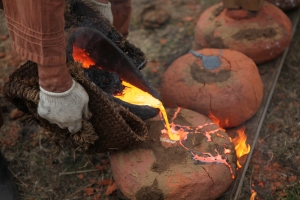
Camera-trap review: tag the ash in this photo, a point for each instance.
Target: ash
(109, 82)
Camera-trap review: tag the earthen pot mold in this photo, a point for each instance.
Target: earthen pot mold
(261, 35)
(222, 84)
(163, 169)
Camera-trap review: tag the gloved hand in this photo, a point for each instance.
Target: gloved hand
(104, 9)
(65, 109)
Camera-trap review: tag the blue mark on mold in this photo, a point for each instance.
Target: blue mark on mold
(209, 62)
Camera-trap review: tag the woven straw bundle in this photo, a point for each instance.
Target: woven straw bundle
(111, 127)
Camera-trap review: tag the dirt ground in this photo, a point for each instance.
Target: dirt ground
(274, 172)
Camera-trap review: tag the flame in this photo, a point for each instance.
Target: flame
(253, 195)
(240, 145)
(82, 56)
(239, 141)
(137, 96)
(214, 118)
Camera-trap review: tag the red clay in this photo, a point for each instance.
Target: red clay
(231, 93)
(262, 36)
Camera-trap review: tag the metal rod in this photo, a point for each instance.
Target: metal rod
(265, 109)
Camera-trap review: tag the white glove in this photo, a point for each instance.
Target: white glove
(65, 109)
(104, 9)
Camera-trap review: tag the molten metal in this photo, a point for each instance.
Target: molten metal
(137, 96)
(183, 131)
(130, 94)
(239, 141)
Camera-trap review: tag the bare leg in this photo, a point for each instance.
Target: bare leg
(121, 10)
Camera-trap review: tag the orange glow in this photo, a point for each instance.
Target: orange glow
(137, 96)
(239, 141)
(253, 195)
(82, 56)
(183, 132)
(227, 151)
(214, 119)
(209, 158)
(130, 94)
(240, 145)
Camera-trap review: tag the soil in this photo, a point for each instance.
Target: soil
(204, 76)
(254, 34)
(273, 172)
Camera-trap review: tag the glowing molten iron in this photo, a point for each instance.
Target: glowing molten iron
(183, 131)
(130, 94)
(137, 96)
(239, 141)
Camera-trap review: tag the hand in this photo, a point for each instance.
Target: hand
(65, 109)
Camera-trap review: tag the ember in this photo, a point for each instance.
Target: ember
(82, 56)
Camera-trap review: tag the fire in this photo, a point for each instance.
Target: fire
(239, 141)
(82, 56)
(253, 195)
(214, 119)
(240, 145)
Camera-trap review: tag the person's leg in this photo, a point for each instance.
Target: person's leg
(36, 29)
(121, 10)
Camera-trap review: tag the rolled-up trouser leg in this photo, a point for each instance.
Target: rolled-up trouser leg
(121, 10)
(36, 28)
